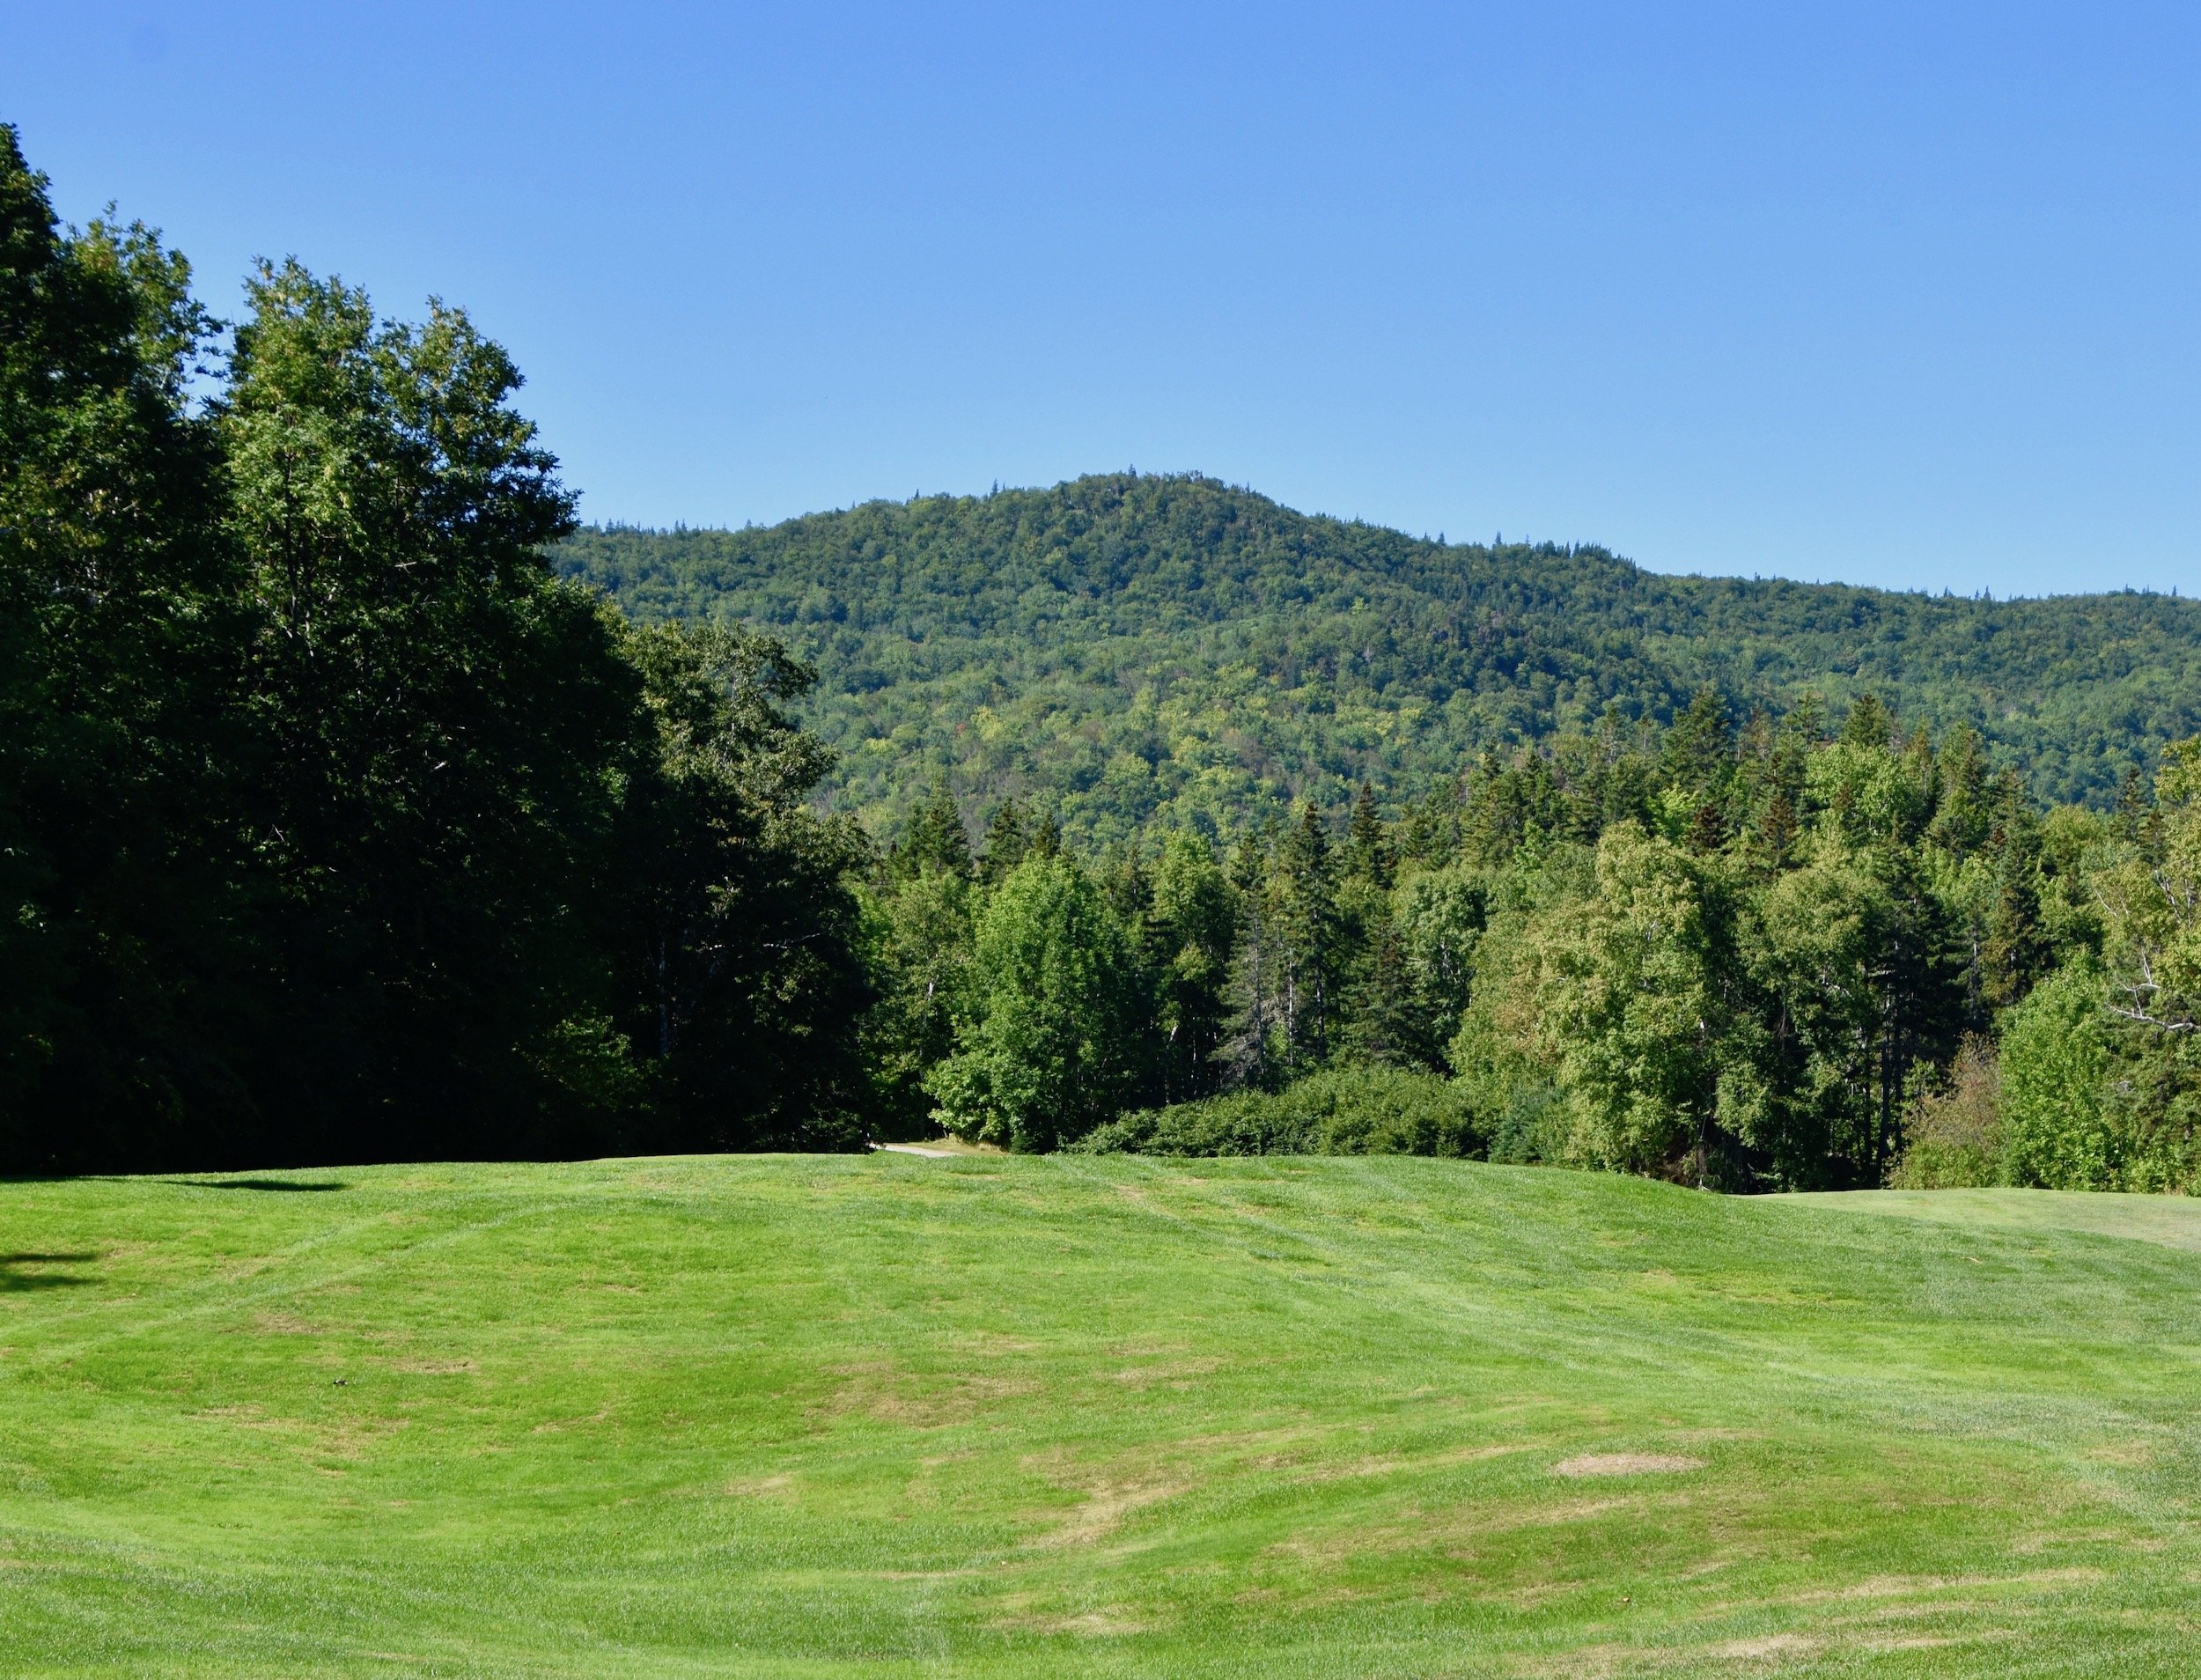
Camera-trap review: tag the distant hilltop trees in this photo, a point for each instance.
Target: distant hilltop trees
(354, 805)
(1132, 650)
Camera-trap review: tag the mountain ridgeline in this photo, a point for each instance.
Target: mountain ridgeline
(1126, 649)
(337, 825)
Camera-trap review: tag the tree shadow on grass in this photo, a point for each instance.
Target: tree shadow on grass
(12, 1279)
(255, 1184)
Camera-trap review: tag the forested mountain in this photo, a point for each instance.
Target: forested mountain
(335, 825)
(1125, 648)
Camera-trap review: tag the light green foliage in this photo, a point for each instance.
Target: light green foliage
(1869, 794)
(1079, 1417)
(2151, 894)
(1052, 1042)
(1440, 914)
(1628, 1003)
(2054, 1062)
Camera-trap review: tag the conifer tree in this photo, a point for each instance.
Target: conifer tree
(1368, 851)
(1008, 839)
(935, 840)
(1304, 894)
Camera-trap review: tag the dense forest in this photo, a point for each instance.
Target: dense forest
(332, 826)
(1132, 650)
(354, 805)
(1777, 956)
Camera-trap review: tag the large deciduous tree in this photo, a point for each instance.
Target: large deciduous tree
(119, 631)
(1053, 1045)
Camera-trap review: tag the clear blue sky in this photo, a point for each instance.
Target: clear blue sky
(1897, 294)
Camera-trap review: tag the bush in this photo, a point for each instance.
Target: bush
(1342, 1111)
(1955, 1134)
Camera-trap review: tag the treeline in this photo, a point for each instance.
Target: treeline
(332, 826)
(1135, 650)
(1779, 956)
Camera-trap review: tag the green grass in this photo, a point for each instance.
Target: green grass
(989, 1416)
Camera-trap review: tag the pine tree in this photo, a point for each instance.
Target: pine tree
(1368, 853)
(1432, 831)
(934, 842)
(1192, 936)
(1251, 1054)
(1008, 839)
(1700, 749)
(1304, 894)
(1868, 724)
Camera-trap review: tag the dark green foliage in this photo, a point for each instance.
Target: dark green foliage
(1346, 1111)
(737, 976)
(1124, 649)
(934, 841)
(120, 649)
(332, 824)
(443, 724)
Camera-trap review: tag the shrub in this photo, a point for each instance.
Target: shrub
(1955, 1134)
(1369, 1110)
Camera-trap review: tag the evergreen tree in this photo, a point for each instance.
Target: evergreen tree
(935, 842)
(1303, 892)
(1368, 853)
(1008, 840)
(1193, 938)
(1868, 724)
(1253, 1056)
(1700, 750)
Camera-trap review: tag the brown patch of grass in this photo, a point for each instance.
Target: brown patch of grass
(1881, 1586)
(2127, 1455)
(882, 1389)
(347, 1438)
(1105, 1508)
(1769, 1645)
(284, 1324)
(1394, 1465)
(1626, 1464)
(1177, 1373)
(1113, 1622)
(780, 1487)
(1112, 1492)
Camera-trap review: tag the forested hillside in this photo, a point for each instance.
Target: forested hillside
(1125, 648)
(334, 825)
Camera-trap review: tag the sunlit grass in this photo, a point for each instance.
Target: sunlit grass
(807, 1415)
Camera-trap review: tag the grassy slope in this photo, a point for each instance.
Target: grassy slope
(780, 1416)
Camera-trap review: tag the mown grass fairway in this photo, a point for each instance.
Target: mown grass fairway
(814, 1415)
